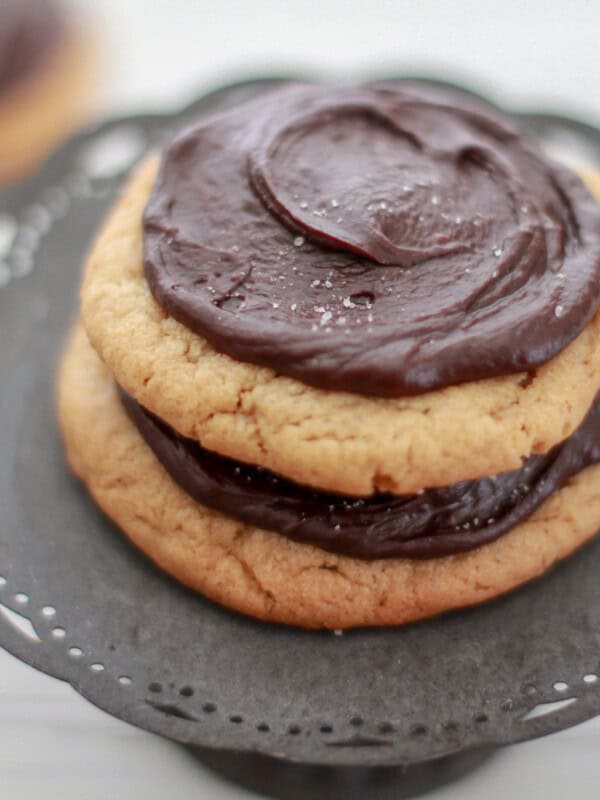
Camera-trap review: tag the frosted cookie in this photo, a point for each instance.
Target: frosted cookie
(45, 69)
(180, 362)
(341, 364)
(266, 574)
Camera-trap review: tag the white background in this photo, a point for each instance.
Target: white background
(159, 53)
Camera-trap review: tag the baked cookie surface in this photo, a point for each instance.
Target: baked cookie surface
(330, 440)
(266, 575)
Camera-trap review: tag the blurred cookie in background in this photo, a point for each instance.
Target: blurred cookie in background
(47, 64)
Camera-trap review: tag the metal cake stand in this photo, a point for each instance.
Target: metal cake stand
(290, 713)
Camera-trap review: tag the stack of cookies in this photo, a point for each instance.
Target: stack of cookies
(338, 357)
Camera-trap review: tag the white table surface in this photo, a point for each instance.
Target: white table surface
(53, 744)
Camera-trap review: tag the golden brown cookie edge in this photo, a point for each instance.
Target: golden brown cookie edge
(250, 414)
(267, 576)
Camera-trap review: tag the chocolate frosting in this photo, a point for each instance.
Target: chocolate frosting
(29, 29)
(436, 522)
(386, 240)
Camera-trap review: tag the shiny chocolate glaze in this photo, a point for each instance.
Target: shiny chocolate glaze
(386, 240)
(436, 522)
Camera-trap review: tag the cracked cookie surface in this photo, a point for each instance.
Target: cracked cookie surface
(267, 576)
(329, 440)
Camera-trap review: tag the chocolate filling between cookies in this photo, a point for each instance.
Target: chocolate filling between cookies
(387, 240)
(434, 523)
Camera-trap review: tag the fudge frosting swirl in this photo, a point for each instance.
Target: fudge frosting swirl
(434, 523)
(29, 30)
(386, 240)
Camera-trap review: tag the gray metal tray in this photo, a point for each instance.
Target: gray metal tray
(78, 602)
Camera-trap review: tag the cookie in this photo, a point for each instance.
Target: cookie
(38, 111)
(329, 440)
(266, 575)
